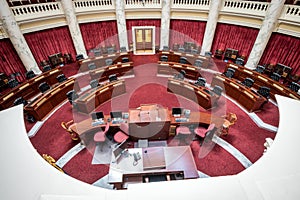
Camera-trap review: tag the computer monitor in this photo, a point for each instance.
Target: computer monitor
(97, 115)
(115, 114)
(177, 111)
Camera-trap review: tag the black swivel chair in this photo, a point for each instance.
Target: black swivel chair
(183, 60)
(91, 66)
(12, 83)
(198, 63)
(20, 100)
(72, 95)
(108, 61)
(46, 68)
(248, 82)
(229, 73)
(208, 54)
(166, 48)
(164, 58)
(200, 81)
(112, 77)
(294, 86)
(79, 57)
(125, 59)
(260, 69)
(240, 61)
(194, 51)
(180, 75)
(61, 78)
(217, 90)
(181, 49)
(97, 52)
(264, 91)
(30, 74)
(275, 76)
(43, 87)
(123, 49)
(94, 83)
(110, 50)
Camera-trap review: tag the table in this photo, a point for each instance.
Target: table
(177, 160)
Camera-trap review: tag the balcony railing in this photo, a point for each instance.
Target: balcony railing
(250, 8)
(191, 4)
(139, 4)
(86, 6)
(291, 13)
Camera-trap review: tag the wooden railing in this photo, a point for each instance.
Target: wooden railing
(85, 6)
(251, 8)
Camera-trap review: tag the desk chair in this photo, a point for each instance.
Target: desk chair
(183, 60)
(217, 90)
(12, 83)
(180, 75)
(110, 50)
(91, 66)
(229, 73)
(30, 74)
(46, 68)
(265, 92)
(108, 61)
(183, 132)
(181, 49)
(94, 83)
(208, 54)
(275, 76)
(122, 135)
(79, 57)
(100, 136)
(194, 51)
(201, 81)
(260, 69)
(61, 78)
(248, 82)
(20, 100)
(165, 48)
(164, 58)
(66, 125)
(123, 49)
(72, 95)
(294, 86)
(239, 61)
(125, 59)
(201, 132)
(97, 52)
(43, 87)
(198, 63)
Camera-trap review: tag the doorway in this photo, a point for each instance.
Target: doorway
(143, 38)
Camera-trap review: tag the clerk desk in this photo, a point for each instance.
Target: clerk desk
(174, 56)
(48, 101)
(100, 60)
(29, 88)
(171, 68)
(262, 80)
(248, 98)
(120, 69)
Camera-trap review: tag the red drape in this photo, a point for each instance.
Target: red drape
(9, 60)
(143, 22)
(50, 41)
(186, 31)
(234, 37)
(97, 34)
(283, 49)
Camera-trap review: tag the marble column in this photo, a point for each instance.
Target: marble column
(211, 25)
(17, 39)
(74, 29)
(165, 23)
(265, 32)
(121, 24)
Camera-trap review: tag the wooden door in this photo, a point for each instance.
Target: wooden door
(143, 40)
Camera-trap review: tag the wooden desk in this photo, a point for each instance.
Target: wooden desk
(177, 160)
(174, 56)
(30, 88)
(171, 68)
(120, 69)
(262, 80)
(100, 60)
(248, 98)
(48, 101)
(90, 100)
(195, 93)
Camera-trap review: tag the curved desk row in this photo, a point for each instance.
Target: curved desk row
(48, 101)
(170, 68)
(96, 96)
(99, 61)
(201, 95)
(248, 98)
(262, 80)
(119, 69)
(174, 56)
(29, 89)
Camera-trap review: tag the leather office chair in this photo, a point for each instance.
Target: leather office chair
(180, 75)
(264, 91)
(125, 59)
(208, 54)
(183, 60)
(30, 74)
(112, 77)
(194, 51)
(94, 83)
(72, 95)
(217, 90)
(200, 81)
(122, 135)
(239, 61)
(275, 76)
(97, 52)
(165, 48)
(66, 125)
(20, 100)
(183, 132)
(43, 87)
(294, 86)
(181, 49)
(46, 68)
(100, 136)
(229, 73)
(201, 132)
(198, 63)
(248, 82)
(92, 66)
(110, 50)
(260, 69)
(12, 83)
(108, 61)
(164, 58)
(123, 49)
(61, 78)
(175, 47)
(79, 57)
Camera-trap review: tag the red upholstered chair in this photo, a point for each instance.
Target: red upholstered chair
(99, 137)
(201, 132)
(122, 135)
(183, 132)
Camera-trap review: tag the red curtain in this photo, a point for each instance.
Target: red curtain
(186, 31)
(50, 41)
(97, 34)
(283, 49)
(143, 22)
(9, 60)
(234, 37)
